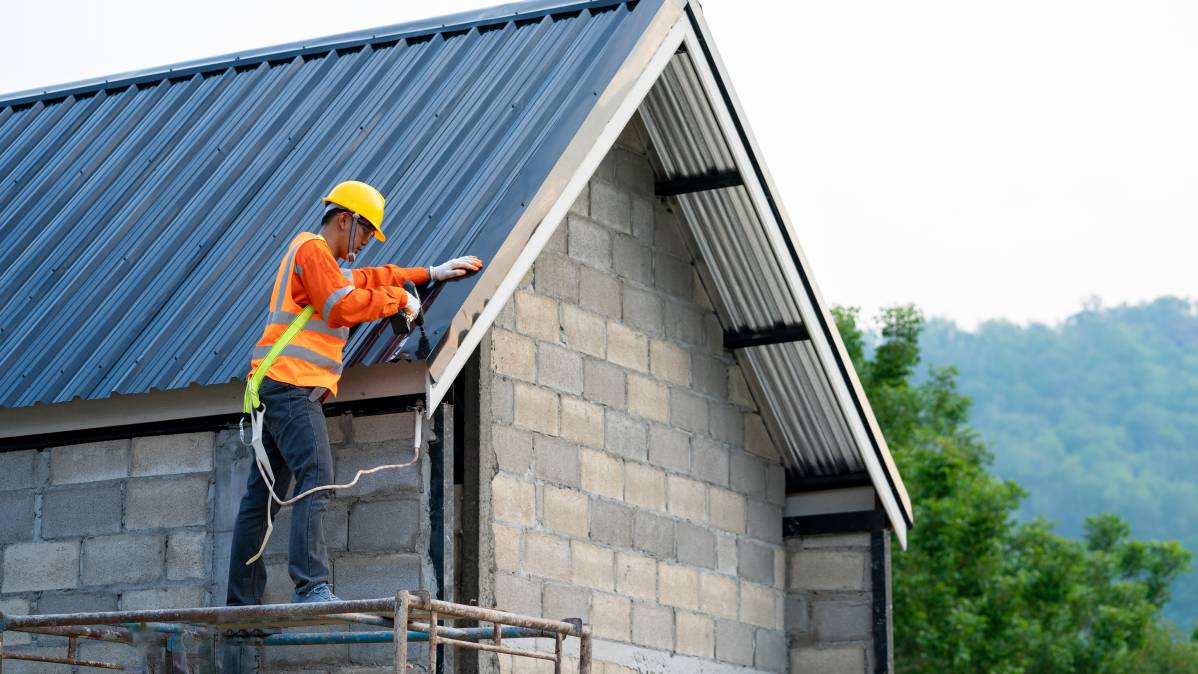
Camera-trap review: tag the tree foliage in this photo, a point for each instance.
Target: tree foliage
(978, 590)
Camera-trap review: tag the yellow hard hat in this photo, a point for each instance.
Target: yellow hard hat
(362, 199)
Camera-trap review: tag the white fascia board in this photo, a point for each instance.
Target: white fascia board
(622, 98)
(194, 402)
(807, 309)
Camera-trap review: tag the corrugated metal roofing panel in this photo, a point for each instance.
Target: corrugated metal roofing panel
(749, 287)
(141, 221)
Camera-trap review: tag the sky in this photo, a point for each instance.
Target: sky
(981, 160)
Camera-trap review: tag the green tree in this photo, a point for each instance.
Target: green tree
(979, 591)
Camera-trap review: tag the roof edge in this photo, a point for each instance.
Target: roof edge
(320, 44)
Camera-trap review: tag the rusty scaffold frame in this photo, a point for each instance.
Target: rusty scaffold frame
(409, 617)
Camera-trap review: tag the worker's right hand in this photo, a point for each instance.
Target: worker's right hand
(412, 309)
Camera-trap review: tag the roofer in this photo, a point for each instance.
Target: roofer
(294, 438)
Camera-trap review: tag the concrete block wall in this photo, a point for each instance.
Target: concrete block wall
(631, 482)
(829, 603)
(147, 523)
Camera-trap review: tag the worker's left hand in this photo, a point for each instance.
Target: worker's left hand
(457, 267)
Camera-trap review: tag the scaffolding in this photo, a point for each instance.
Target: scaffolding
(409, 617)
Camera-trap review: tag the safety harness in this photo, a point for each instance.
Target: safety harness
(252, 406)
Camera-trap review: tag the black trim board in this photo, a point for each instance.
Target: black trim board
(799, 485)
(778, 334)
(860, 521)
(689, 184)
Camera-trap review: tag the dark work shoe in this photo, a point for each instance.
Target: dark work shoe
(318, 594)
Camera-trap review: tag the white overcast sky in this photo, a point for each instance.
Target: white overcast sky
(998, 159)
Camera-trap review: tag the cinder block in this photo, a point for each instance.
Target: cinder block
(583, 331)
(696, 545)
(556, 275)
(15, 606)
(556, 460)
(231, 472)
(748, 473)
(636, 576)
(513, 500)
(536, 316)
(725, 552)
(170, 454)
(727, 422)
(187, 555)
(192, 596)
(673, 275)
(709, 375)
(153, 503)
(694, 634)
(727, 510)
(350, 460)
(642, 218)
(645, 486)
(756, 438)
(599, 292)
(796, 618)
(718, 595)
(581, 206)
(611, 523)
(559, 368)
(123, 558)
(627, 347)
(75, 602)
(684, 324)
(755, 561)
(514, 355)
(738, 388)
(517, 594)
(582, 422)
(75, 511)
(669, 448)
(626, 436)
(711, 461)
(513, 448)
(507, 546)
(759, 605)
(687, 498)
(842, 620)
(563, 601)
(611, 206)
(644, 311)
(775, 490)
(601, 473)
(688, 411)
(546, 556)
(653, 534)
(566, 511)
(631, 259)
(392, 526)
(503, 403)
(678, 586)
(90, 462)
(840, 660)
(765, 521)
(536, 409)
(669, 362)
(367, 577)
(770, 654)
(648, 398)
(397, 428)
(16, 525)
(41, 566)
(589, 242)
(611, 617)
(734, 644)
(652, 626)
(593, 566)
(17, 470)
(667, 231)
(604, 383)
(828, 570)
(857, 540)
(632, 169)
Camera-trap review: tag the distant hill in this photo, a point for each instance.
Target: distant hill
(1097, 414)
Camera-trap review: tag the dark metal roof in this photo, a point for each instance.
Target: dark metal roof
(141, 218)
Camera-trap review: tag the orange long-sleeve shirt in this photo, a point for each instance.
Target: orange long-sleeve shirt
(376, 293)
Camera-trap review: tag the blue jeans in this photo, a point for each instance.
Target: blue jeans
(297, 444)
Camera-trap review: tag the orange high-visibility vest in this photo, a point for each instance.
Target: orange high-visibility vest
(313, 357)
